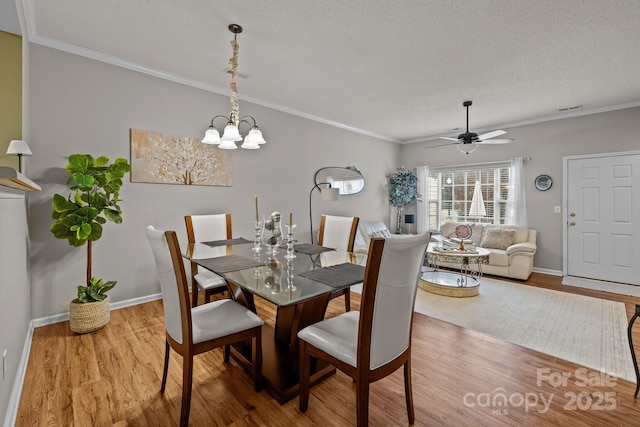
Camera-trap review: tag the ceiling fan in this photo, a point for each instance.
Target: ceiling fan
(467, 142)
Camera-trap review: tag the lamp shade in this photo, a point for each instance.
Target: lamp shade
(227, 145)
(477, 202)
(248, 144)
(256, 134)
(410, 219)
(231, 133)
(18, 147)
(330, 194)
(212, 136)
(252, 140)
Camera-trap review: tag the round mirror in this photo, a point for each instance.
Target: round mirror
(347, 179)
(463, 232)
(543, 182)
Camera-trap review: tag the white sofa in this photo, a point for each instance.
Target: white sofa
(367, 230)
(511, 248)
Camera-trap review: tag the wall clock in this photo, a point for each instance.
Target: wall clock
(543, 182)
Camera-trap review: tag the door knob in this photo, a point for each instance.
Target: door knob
(572, 214)
(572, 223)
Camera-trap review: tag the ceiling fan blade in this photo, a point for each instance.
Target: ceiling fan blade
(492, 134)
(495, 141)
(448, 138)
(443, 145)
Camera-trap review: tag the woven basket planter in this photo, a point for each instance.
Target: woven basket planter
(85, 317)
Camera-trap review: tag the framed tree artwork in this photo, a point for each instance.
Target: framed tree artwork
(162, 158)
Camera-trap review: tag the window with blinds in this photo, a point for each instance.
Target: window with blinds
(450, 194)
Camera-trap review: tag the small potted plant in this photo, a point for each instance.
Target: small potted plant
(403, 192)
(78, 218)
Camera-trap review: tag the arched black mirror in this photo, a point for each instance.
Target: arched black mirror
(348, 180)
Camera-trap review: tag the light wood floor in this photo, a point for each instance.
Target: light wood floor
(112, 378)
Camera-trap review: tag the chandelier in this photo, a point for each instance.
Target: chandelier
(231, 134)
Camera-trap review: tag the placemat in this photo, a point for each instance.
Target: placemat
(227, 263)
(310, 248)
(339, 275)
(237, 241)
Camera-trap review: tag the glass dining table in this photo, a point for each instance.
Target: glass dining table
(299, 288)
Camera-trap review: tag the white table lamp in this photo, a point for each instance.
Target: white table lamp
(18, 147)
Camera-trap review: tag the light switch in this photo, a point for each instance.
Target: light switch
(556, 209)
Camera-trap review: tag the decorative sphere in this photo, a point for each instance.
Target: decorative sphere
(273, 240)
(275, 217)
(268, 225)
(277, 232)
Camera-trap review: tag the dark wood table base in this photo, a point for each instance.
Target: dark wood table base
(280, 358)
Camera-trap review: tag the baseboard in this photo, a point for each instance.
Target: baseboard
(547, 271)
(57, 318)
(16, 392)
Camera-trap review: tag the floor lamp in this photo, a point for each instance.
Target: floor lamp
(328, 194)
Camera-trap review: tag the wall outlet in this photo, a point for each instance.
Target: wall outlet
(556, 209)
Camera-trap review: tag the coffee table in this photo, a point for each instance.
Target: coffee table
(465, 283)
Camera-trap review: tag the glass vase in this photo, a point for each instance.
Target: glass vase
(272, 234)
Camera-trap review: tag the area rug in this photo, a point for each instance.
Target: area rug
(591, 332)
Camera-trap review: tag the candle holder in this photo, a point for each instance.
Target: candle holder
(257, 271)
(290, 286)
(290, 254)
(257, 230)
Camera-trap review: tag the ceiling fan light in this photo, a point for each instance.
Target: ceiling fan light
(467, 148)
(211, 136)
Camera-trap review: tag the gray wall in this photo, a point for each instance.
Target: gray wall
(14, 287)
(546, 143)
(81, 105)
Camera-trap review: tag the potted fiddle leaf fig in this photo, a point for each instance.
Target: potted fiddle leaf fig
(79, 218)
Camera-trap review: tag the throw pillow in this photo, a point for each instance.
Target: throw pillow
(497, 238)
(381, 233)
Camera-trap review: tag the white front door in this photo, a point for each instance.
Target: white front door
(603, 210)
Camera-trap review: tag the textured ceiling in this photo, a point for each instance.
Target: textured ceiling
(399, 70)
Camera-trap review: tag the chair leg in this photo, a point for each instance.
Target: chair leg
(194, 294)
(187, 379)
(408, 391)
(304, 373)
(347, 299)
(167, 351)
(362, 403)
(256, 356)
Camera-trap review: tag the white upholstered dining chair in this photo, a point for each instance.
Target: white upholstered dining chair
(191, 331)
(339, 233)
(374, 342)
(207, 228)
